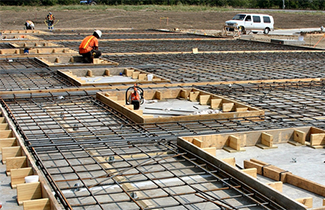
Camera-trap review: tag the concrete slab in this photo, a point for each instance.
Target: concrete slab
(106, 76)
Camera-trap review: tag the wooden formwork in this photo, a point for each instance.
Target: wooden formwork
(278, 174)
(20, 164)
(34, 44)
(267, 139)
(23, 32)
(228, 165)
(37, 51)
(64, 61)
(16, 37)
(137, 76)
(230, 108)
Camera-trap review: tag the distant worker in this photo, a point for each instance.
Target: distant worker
(29, 25)
(89, 47)
(50, 21)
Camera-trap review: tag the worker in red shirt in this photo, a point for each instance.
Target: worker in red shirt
(89, 47)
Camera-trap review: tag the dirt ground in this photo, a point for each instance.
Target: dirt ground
(145, 19)
(115, 18)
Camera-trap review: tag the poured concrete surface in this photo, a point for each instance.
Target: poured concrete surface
(175, 107)
(110, 79)
(8, 195)
(302, 161)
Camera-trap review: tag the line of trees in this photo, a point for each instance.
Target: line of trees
(276, 4)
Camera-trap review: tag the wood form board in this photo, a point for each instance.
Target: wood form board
(247, 139)
(75, 75)
(116, 99)
(278, 174)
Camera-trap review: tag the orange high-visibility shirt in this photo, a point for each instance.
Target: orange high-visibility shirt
(135, 96)
(88, 44)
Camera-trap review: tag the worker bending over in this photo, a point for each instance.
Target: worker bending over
(89, 47)
(29, 25)
(50, 20)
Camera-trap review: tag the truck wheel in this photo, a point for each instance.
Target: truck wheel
(266, 31)
(241, 29)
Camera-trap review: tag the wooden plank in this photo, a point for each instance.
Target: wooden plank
(228, 107)
(299, 136)
(8, 152)
(4, 126)
(18, 175)
(197, 142)
(308, 202)
(142, 77)
(37, 204)
(216, 103)
(231, 161)
(210, 150)
(267, 139)
(317, 139)
(15, 162)
(158, 95)
(306, 184)
(28, 191)
(6, 134)
(194, 95)
(7, 142)
(250, 171)
(275, 173)
(241, 109)
(204, 99)
(135, 74)
(276, 185)
(128, 72)
(251, 164)
(234, 142)
(183, 94)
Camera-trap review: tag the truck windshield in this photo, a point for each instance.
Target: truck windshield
(239, 17)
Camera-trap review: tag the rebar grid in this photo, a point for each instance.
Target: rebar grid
(285, 104)
(183, 46)
(79, 138)
(113, 35)
(144, 176)
(224, 67)
(20, 64)
(37, 78)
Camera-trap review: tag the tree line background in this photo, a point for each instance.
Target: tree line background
(274, 4)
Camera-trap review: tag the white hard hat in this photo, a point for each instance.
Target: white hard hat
(99, 33)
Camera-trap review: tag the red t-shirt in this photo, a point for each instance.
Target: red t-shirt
(88, 44)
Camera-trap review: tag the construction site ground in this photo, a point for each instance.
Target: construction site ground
(91, 155)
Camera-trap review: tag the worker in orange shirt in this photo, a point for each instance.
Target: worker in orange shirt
(89, 47)
(135, 99)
